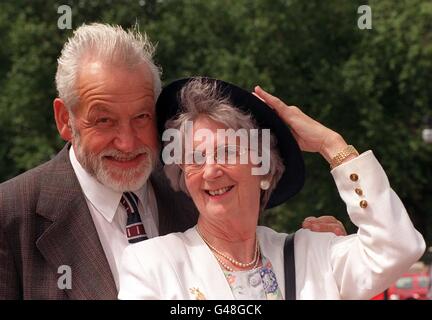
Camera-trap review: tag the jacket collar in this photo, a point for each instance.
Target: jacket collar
(207, 276)
(72, 239)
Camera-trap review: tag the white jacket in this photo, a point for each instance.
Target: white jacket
(327, 267)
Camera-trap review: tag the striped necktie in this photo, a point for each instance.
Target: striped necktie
(134, 227)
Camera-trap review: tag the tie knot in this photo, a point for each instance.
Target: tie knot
(129, 201)
(134, 227)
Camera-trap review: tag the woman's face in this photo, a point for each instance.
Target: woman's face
(219, 191)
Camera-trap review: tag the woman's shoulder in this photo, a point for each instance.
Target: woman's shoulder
(149, 269)
(266, 233)
(303, 237)
(175, 238)
(160, 247)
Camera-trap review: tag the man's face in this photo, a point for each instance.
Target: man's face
(114, 125)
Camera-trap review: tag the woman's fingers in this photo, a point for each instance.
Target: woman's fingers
(258, 97)
(285, 112)
(272, 101)
(310, 135)
(324, 224)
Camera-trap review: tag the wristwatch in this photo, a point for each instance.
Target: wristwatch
(341, 156)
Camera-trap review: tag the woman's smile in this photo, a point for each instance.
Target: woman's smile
(217, 194)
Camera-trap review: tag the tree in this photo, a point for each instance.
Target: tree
(31, 43)
(388, 78)
(369, 85)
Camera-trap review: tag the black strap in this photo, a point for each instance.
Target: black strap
(289, 268)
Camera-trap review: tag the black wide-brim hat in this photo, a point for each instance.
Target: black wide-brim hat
(292, 180)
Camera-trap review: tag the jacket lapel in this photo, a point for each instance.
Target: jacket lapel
(206, 273)
(272, 244)
(72, 239)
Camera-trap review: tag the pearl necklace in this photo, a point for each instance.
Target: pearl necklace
(255, 261)
(228, 268)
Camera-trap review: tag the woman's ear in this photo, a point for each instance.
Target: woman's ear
(62, 119)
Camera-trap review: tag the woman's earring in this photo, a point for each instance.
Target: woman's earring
(264, 184)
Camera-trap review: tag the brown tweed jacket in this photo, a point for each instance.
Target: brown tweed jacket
(45, 223)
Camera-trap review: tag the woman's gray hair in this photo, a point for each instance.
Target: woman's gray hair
(110, 44)
(201, 97)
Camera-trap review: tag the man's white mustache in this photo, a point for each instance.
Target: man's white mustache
(118, 155)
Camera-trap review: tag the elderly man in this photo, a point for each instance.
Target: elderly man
(66, 215)
(65, 224)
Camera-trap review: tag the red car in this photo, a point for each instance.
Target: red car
(411, 286)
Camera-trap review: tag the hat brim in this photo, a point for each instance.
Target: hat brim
(293, 177)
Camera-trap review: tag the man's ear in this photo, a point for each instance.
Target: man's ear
(62, 119)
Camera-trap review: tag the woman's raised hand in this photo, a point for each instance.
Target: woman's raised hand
(311, 135)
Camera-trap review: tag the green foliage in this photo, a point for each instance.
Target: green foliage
(372, 86)
(388, 77)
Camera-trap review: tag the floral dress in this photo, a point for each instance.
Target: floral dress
(255, 284)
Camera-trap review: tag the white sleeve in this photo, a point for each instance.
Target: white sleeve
(386, 244)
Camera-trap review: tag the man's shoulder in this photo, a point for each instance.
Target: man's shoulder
(30, 177)
(18, 196)
(177, 212)
(163, 189)
(159, 180)
(26, 178)
(24, 189)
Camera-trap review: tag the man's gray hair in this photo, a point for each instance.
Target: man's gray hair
(200, 97)
(109, 44)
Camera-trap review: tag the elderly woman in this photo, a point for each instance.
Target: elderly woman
(226, 255)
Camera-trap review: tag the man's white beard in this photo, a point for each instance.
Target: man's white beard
(118, 179)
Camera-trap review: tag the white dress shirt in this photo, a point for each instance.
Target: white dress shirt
(357, 266)
(110, 217)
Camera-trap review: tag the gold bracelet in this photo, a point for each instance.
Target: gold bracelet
(341, 156)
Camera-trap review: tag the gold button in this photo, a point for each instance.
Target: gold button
(363, 204)
(353, 177)
(359, 191)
